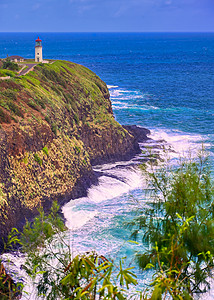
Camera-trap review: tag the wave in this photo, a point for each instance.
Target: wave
(182, 143)
(123, 177)
(96, 221)
(117, 179)
(112, 86)
(130, 99)
(119, 105)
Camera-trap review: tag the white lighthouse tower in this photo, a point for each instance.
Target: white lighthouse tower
(38, 50)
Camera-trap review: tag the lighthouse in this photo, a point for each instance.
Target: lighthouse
(38, 50)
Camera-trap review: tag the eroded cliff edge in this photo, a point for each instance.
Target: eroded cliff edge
(56, 122)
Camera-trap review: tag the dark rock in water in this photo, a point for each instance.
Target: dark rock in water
(52, 135)
(140, 134)
(109, 144)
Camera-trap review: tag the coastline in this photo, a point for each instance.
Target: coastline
(49, 147)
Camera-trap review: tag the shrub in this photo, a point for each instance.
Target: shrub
(53, 76)
(14, 108)
(41, 102)
(7, 64)
(76, 118)
(38, 159)
(78, 149)
(73, 105)
(9, 94)
(56, 90)
(178, 225)
(64, 275)
(33, 105)
(45, 150)
(47, 119)
(4, 117)
(54, 128)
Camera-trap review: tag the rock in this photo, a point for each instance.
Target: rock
(61, 124)
(140, 134)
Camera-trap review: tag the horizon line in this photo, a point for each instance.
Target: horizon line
(107, 31)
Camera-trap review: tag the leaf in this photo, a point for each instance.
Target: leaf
(149, 266)
(133, 242)
(156, 294)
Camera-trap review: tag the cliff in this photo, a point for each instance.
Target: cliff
(56, 122)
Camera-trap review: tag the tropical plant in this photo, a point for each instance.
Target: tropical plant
(58, 272)
(9, 290)
(177, 225)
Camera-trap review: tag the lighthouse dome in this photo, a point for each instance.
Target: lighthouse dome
(38, 50)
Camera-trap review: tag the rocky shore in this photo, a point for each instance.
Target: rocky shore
(56, 122)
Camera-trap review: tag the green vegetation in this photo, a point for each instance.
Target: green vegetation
(45, 150)
(8, 289)
(33, 105)
(15, 109)
(8, 68)
(62, 93)
(81, 276)
(38, 159)
(47, 147)
(4, 117)
(5, 73)
(177, 226)
(54, 128)
(7, 64)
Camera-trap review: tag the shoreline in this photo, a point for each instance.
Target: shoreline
(87, 179)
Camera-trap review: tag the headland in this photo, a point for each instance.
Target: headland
(55, 123)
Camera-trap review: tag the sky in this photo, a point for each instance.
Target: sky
(106, 15)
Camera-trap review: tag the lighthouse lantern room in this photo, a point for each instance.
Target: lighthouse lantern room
(38, 50)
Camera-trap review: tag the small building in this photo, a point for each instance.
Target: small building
(15, 58)
(38, 50)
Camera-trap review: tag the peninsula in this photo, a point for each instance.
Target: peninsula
(55, 123)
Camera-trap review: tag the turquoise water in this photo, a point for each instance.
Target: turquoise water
(168, 77)
(164, 82)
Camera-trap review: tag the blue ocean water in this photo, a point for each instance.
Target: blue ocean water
(168, 76)
(162, 81)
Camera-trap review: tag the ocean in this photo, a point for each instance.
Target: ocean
(161, 81)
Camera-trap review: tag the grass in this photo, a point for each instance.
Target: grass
(5, 72)
(67, 93)
(50, 109)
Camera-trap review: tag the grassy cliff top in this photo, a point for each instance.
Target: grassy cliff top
(52, 90)
(55, 122)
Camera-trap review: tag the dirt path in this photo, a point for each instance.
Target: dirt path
(29, 68)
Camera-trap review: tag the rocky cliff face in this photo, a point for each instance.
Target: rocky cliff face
(56, 122)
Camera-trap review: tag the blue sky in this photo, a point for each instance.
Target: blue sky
(106, 15)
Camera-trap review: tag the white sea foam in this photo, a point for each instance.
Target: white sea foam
(112, 86)
(115, 93)
(86, 216)
(14, 262)
(114, 182)
(122, 99)
(133, 107)
(76, 219)
(182, 143)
